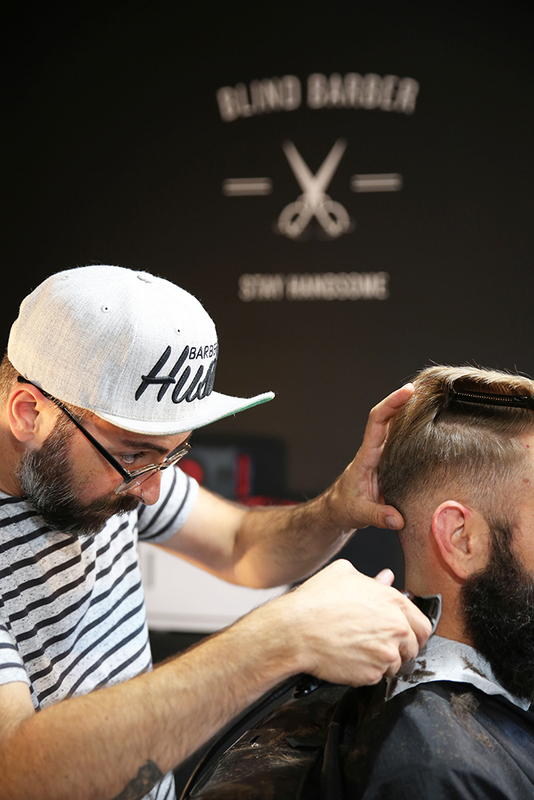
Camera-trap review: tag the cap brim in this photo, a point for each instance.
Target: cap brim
(216, 406)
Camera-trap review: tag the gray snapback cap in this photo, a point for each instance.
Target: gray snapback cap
(135, 349)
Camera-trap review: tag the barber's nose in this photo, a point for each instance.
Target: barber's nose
(148, 491)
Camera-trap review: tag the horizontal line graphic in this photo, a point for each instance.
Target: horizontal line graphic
(234, 187)
(383, 182)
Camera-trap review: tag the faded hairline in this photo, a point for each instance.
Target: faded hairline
(471, 453)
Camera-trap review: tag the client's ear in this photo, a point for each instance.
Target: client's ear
(462, 537)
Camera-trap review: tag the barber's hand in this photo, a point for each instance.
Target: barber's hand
(354, 498)
(351, 629)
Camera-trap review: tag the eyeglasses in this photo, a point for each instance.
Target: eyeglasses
(130, 480)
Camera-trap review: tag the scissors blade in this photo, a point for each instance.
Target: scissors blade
(314, 185)
(301, 171)
(325, 173)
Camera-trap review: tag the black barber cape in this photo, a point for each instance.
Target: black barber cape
(435, 741)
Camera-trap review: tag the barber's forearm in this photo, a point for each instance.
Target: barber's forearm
(280, 545)
(303, 538)
(269, 547)
(340, 626)
(96, 746)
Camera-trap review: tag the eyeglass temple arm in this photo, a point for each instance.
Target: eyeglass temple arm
(109, 458)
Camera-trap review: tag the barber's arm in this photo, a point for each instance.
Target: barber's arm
(118, 741)
(277, 545)
(339, 625)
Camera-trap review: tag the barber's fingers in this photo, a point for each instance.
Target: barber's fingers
(419, 622)
(379, 418)
(386, 408)
(351, 628)
(393, 668)
(385, 576)
(421, 628)
(375, 436)
(402, 647)
(355, 496)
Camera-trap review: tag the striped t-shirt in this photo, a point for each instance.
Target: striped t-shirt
(72, 612)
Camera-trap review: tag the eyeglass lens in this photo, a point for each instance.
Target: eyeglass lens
(139, 477)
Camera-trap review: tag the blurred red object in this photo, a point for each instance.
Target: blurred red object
(193, 468)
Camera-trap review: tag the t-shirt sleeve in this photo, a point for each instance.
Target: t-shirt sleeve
(11, 664)
(178, 494)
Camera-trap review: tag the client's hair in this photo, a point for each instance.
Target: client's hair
(438, 443)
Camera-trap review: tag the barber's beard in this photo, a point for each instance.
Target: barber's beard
(498, 608)
(45, 477)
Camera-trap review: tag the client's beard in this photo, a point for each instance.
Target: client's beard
(45, 478)
(498, 610)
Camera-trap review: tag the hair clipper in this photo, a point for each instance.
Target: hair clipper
(430, 605)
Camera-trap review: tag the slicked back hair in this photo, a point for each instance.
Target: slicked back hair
(438, 446)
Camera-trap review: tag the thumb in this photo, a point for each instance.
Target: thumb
(388, 517)
(385, 576)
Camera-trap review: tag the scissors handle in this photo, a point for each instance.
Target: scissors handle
(294, 218)
(333, 217)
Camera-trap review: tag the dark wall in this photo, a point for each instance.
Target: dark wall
(116, 151)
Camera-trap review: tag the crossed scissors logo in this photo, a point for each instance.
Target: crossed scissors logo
(314, 202)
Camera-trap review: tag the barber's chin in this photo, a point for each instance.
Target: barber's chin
(83, 521)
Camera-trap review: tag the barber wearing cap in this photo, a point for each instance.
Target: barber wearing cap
(107, 373)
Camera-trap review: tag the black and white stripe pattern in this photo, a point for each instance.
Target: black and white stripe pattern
(72, 613)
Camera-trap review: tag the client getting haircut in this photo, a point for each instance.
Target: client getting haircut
(441, 441)
(459, 438)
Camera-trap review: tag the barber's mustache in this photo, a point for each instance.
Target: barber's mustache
(116, 504)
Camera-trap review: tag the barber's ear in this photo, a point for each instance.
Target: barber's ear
(462, 538)
(25, 415)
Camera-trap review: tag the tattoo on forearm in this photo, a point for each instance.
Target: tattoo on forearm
(146, 778)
